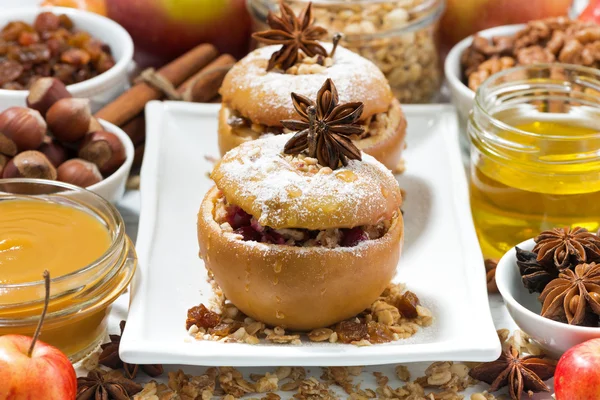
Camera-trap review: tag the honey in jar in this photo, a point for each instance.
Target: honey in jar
(535, 155)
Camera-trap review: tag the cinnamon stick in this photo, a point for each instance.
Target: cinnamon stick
(138, 156)
(136, 129)
(132, 102)
(204, 85)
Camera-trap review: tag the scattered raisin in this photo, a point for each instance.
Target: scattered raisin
(379, 333)
(407, 305)
(202, 317)
(75, 57)
(351, 331)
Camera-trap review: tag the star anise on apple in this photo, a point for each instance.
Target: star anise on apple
(574, 296)
(295, 34)
(564, 247)
(325, 127)
(103, 385)
(535, 277)
(519, 373)
(110, 358)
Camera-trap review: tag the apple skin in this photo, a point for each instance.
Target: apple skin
(591, 12)
(47, 375)
(577, 374)
(165, 29)
(466, 17)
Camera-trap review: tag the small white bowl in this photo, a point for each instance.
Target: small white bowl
(462, 97)
(112, 188)
(524, 308)
(101, 89)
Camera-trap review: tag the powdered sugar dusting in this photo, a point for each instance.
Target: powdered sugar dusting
(349, 72)
(258, 177)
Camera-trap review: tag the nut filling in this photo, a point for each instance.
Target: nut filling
(374, 125)
(236, 222)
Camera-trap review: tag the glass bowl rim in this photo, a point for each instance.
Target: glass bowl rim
(480, 97)
(112, 212)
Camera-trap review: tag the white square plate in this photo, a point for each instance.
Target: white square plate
(441, 261)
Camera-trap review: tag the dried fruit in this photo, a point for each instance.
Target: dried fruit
(9, 71)
(351, 331)
(46, 21)
(79, 172)
(104, 149)
(407, 304)
(202, 317)
(379, 333)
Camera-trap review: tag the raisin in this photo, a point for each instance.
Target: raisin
(75, 57)
(407, 305)
(224, 329)
(64, 73)
(56, 46)
(46, 22)
(9, 71)
(104, 63)
(35, 54)
(202, 317)
(65, 21)
(379, 333)
(28, 38)
(12, 30)
(79, 40)
(351, 331)
(83, 74)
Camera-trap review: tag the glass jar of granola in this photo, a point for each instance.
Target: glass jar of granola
(400, 36)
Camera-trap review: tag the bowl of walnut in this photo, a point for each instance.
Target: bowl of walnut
(89, 53)
(556, 307)
(477, 57)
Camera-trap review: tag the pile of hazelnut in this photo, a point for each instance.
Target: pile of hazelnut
(57, 138)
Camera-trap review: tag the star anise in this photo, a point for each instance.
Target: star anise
(325, 127)
(565, 247)
(110, 358)
(102, 385)
(534, 276)
(520, 374)
(574, 296)
(294, 33)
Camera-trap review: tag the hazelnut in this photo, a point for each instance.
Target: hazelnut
(104, 149)
(29, 164)
(7, 145)
(45, 92)
(79, 172)
(24, 126)
(55, 152)
(69, 119)
(3, 161)
(94, 125)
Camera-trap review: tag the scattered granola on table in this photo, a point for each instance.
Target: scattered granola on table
(396, 314)
(542, 41)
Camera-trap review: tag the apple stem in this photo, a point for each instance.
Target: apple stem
(336, 40)
(41, 322)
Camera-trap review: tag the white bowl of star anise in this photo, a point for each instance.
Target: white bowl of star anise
(551, 287)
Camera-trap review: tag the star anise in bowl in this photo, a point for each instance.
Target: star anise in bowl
(562, 248)
(574, 297)
(535, 277)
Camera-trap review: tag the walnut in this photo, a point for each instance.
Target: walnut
(534, 55)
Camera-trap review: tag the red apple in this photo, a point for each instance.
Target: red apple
(46, 374)
(577, 374)
(165, 29)
(465, 17)
(591, 12)
(31, 369)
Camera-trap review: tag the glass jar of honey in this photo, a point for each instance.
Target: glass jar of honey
(80, 239)
(535, 153)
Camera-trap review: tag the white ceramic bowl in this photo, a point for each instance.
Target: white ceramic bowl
(524, 308)
(461, 96)
(101, 89)
(113, 187)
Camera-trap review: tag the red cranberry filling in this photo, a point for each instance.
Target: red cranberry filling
(250, 230)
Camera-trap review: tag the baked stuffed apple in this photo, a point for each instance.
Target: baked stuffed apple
(303, 230)
(255, 92)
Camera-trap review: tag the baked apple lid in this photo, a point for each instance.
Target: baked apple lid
(283, 191)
